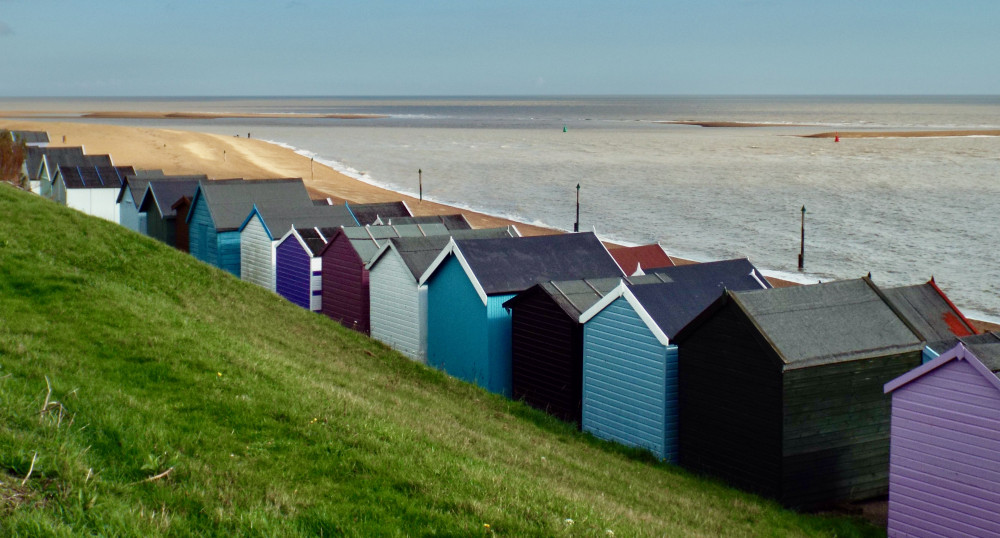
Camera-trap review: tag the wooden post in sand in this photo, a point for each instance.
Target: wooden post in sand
(802, 246)
(576, 225)
(420, 183)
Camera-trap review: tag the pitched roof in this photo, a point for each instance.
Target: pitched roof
(452, 222)
(30, 137)
(511, 265)
(928, 309)
(826, 323)
(983, 356)
(689, 289)
(419, 252)
(134, 185)
(56, 156)
(641, 258)
(371, 213)
(368, 240)
(231, 201)
(94, 177)
(165, 192)
(280, 217)
(315, 238)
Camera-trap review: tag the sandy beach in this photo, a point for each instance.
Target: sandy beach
(220, 157)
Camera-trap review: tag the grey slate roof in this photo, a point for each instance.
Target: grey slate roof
(371, 213)
(934, 317)
(367, 240)
(986, 347)
(688, 290)
(94, 177)
(316, 238)
(166, 191)
(419, 252)
(673, 298)
(280, 216)
(231, 201)
(512, 265)
(31, 137)
(135, 184)
(56, 156)
(826, 323)
(452, 222)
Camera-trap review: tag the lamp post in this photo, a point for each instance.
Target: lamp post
(802, 245)
(576, 225)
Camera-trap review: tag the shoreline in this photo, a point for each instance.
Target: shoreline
(179, 152)
(732, 124)
(131, 115)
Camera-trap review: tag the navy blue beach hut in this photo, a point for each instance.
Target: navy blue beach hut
(629, 372)
(468, 329)
(220, 207)
(299, 266)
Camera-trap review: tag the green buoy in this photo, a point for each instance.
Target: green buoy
(564, 128)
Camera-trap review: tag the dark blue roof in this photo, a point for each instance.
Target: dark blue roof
(689, 289)
(511, 265)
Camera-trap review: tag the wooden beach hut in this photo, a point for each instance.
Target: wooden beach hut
(91, 189)
(345, 281)
(268, 222)
(398, 303)
(158, 204)
(781, 390)
(637, 260)
(378, 213)
(299, 267)
(629, 361)
(468, 329)
(219, 208)
(31, 138)
(547, 333)
(42, 163)
(130, 196)
(944, 464)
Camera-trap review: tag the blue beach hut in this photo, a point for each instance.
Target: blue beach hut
(629, 372)
(219, 207)
(468, 329)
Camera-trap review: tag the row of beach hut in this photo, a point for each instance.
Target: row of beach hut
(812, 395)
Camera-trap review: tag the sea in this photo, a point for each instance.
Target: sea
(902, 209)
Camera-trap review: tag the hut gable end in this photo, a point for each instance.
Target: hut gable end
(945, 453)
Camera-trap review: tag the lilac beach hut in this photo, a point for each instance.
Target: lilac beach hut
(944, 462)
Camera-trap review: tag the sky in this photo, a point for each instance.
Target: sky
(55, 48)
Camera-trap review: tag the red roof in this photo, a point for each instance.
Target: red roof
(644, 256)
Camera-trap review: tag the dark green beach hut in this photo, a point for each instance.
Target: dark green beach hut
(781, 390)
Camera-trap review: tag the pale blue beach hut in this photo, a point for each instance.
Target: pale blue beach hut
(629, 373)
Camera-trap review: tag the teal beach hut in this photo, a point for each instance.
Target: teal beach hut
(220, 207)
(468, 329)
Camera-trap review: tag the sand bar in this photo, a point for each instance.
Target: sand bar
(730, 124)
(218, 156)
(905, 134)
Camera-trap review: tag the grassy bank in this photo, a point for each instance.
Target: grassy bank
(145, 393)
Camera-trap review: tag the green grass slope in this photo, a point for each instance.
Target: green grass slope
(145, 393)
